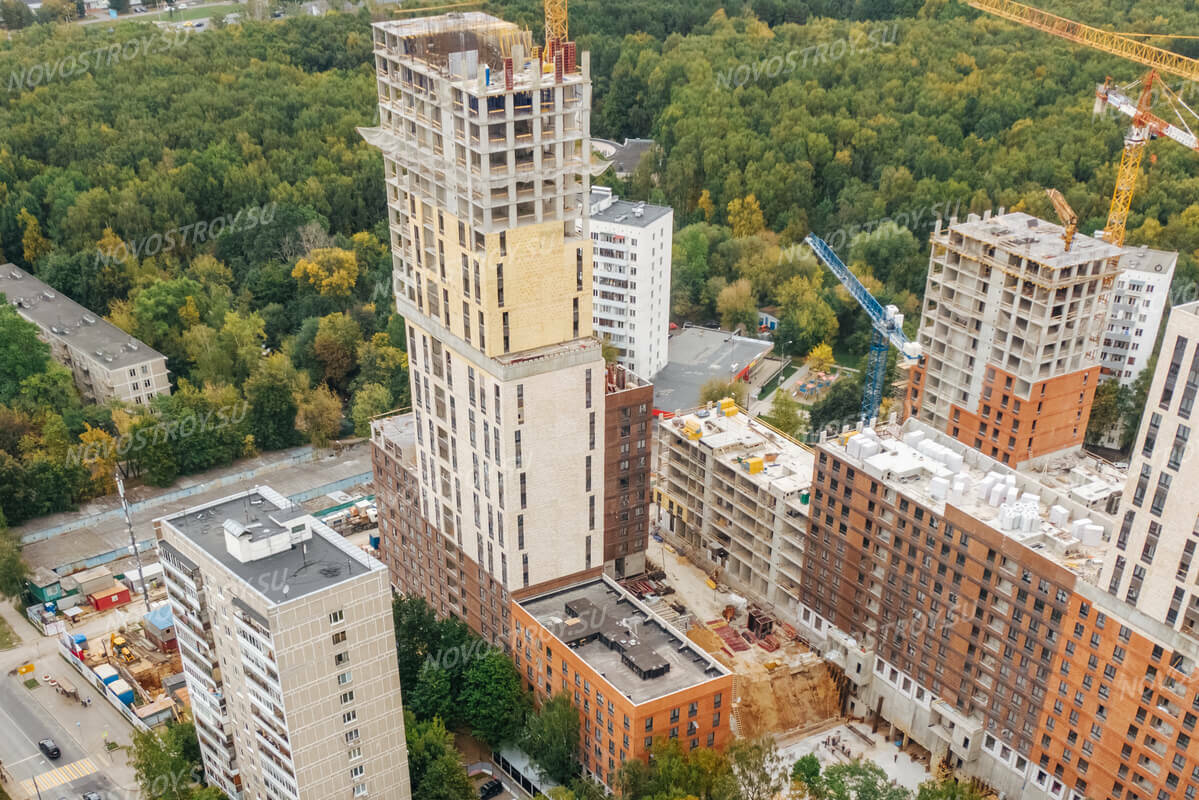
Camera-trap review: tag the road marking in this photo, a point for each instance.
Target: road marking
(57, 777)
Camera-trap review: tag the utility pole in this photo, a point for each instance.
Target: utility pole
(132, 539)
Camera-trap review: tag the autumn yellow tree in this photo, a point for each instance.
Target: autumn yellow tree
(737, 305)
(745, 217)
(35, 245)
(319, 415)
(98, 453)
(820, 358)
(705, 205)
(332, 271)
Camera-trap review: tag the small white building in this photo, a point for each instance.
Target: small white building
(631, 243)
(1135, 314)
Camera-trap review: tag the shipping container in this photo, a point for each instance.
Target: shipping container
(107, 673)
(122, 690)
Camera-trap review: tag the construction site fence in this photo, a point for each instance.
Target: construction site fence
(92, 678)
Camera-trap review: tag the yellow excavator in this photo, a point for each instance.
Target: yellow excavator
(121, 649)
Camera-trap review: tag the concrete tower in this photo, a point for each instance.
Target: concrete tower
(486, 151)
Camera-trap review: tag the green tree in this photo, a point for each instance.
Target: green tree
(786, 414)
(167, 764)
(16, 15)
(1105, 411)
(716, 389)
(22, 353)
(806, 771)
(13, 569)
(271, 391)
(491, 698)
(435, 769)
(418, 636)
(857, 780)
(947, 789)
(369, 401)
(433, 694)
(551, 738)
(757, 767)
(841, 405)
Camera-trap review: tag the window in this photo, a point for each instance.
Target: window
(347, 697)
(354, 753)
(339, 637)
(344, 678)
(348, 717)
(341, 658)
(357, 772)
(336, 617)
(351, 735)
(360, 790)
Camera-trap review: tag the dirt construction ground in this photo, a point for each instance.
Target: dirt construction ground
(783, 691)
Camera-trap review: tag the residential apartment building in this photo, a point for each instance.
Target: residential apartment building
(1135, 315)
(736, 493)
(1010, 332)
(486, 159)
(959, 599)
(632, 247)
(628, 437)
(422, 562)
(288, 651)
(633, 678)
(107, 363)
(1152, 563)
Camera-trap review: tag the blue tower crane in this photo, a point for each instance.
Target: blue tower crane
(887, 324)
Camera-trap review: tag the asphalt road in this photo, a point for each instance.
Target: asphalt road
(24, 722)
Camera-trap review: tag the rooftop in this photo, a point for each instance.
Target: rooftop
(1154, 262)
(606, 207)
(60, 316)
(312, 564)
(621, 640)
(625, 157)
(786, 464)
(397, 434)
(443, 40)
(695, 356)
(938, 471)
(1035, 239)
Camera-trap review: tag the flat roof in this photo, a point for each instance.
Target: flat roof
(938, 471)
(319, 563)
(61, 317)
(1150, 261)
(636, 636)
(1035, 239)
(624, 212)
(695, 356)
(733, 440)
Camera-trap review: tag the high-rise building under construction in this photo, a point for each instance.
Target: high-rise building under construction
(1011, 335)
(486, 149)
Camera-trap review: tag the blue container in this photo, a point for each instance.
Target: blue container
(51, 608)
(374, 540)
(122, 690)
(80, 641)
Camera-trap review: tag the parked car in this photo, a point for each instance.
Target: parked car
(490, 789)
(48, 747)
(92, 796)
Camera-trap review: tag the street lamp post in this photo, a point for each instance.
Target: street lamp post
(35, 786)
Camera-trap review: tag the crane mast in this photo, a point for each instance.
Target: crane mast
(887, 325)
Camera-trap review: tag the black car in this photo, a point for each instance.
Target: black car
(92, 796)
(48, 747)
(490, 789)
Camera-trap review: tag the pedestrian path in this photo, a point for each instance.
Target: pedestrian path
(57, 777)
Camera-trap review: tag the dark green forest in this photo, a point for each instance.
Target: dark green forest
(773, 119)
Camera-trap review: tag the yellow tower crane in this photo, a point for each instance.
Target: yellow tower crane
(1145, 125)
(555, 23)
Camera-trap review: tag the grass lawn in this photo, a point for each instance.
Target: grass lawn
(32, 683)
(8, 639)
(181, 15)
